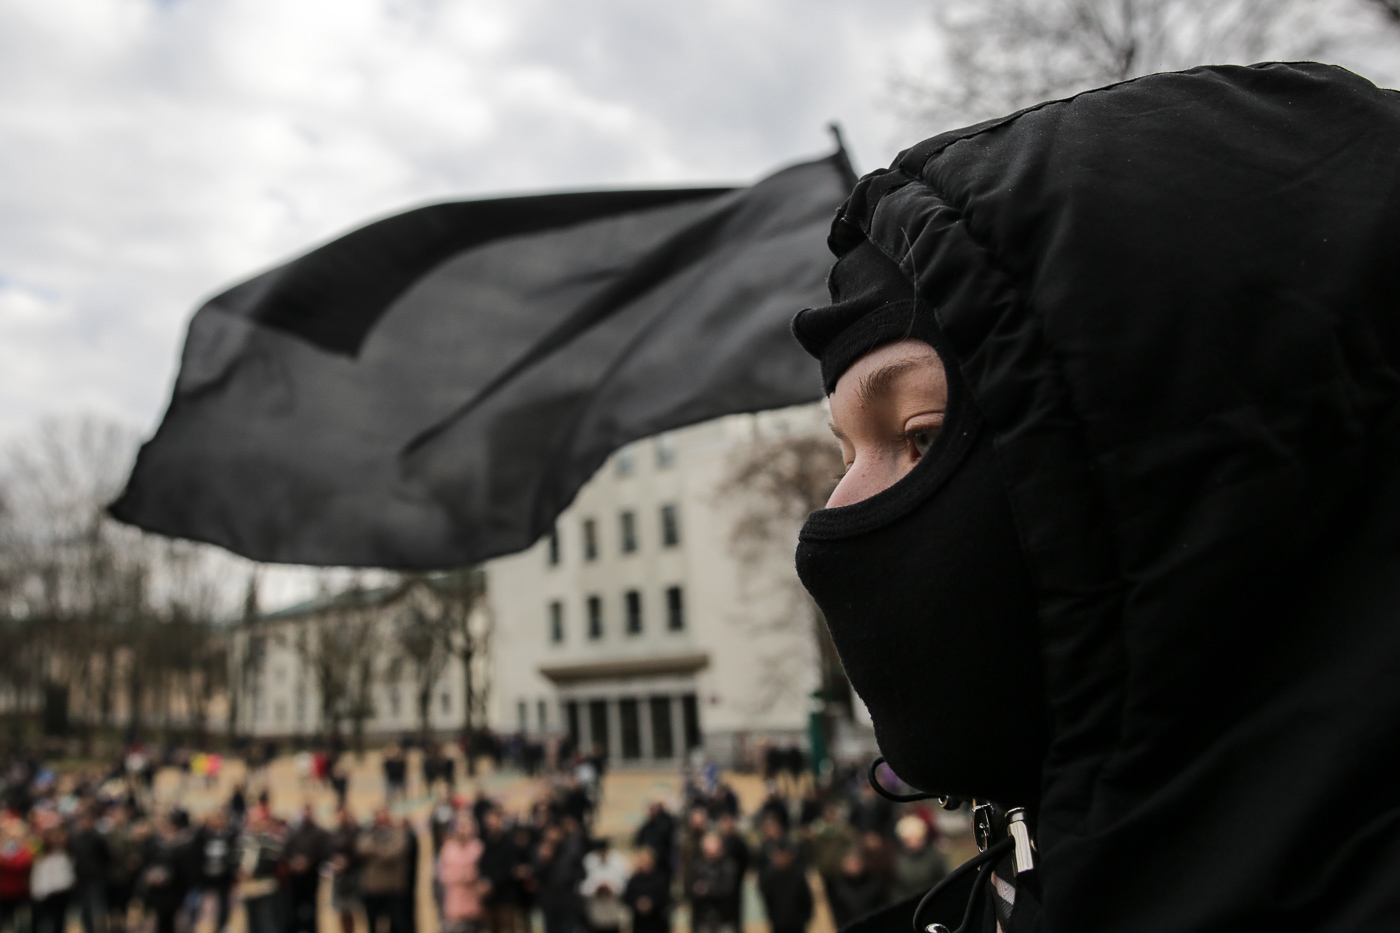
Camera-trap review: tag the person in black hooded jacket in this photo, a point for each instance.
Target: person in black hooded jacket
(1117, 381)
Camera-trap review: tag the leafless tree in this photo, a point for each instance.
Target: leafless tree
(423, 633)
(338, 646)
(102, 616)
(776, 482)
(1002, 55)
(469, 627)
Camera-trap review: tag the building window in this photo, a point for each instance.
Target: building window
(571, 720)
(590, 539)
(554, 547)
(675, 608)
(556, 621)
(662, 745)
(595, 617)
(634, 612)
(446, 702)
(690, 716)
(665, 447)
(626, 463)
(542, 708)
(522, 715)
(598, 725)
(670, 526)
(628, 525)
(629, 718)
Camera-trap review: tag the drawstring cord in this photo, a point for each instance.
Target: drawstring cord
(874, 778)
(978, 863)
(986, 816)
(947, 803)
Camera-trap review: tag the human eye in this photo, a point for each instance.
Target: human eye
(920, 436)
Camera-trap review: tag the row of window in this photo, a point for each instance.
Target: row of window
(627, 534)
(646, 725)
(663, 447)
(633, 621)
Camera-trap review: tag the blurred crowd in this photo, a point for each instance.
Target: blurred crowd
(96, 848)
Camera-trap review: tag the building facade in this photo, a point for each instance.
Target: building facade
(366, 660)
(639, 627)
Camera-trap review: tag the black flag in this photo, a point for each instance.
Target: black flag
(432, 390)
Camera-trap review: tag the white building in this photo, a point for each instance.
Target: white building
(637, 627)
(283, 662)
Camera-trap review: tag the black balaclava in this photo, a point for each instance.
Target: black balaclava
(924, 585)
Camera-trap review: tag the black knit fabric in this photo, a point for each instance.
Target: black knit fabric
(1175, 303)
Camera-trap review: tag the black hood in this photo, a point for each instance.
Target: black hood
(1176, 304)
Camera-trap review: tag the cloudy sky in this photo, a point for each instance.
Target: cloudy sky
(152, 151)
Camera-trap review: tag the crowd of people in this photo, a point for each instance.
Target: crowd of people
(98, 848)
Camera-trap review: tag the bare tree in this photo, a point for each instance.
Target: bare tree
(103, 616)
(423, 632)
(469, 628)
(777, 482)
(336, 645)
(1002, 55)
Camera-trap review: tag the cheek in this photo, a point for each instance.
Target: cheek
(873, 471)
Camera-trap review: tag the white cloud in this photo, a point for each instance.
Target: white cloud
(152, 151)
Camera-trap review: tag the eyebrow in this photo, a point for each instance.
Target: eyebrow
(874, 384)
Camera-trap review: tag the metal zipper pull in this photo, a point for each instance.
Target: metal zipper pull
(1019, 830)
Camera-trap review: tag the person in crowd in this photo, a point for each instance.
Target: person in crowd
(91, 859)
(869, 812)
(829, 838)
(648, 894)
(395, 767)
(16, 868)
(525, 840)
(501, 859)
(557, 871)
(307, 849)
(737, 849)
(216, 854)
(605, 873)
(408, 905)
(459, 874)
(771, 835)
(123, 865)
(697, 824)
(787, 897)
(774, 807)
(383, 851)
(658, 833)
(261, 850)
(166, 876)
(51, 882)
(711, 890)
(854, 891)
(441, 819)
(918, 864)
(238, 806)
(878, 855)
(340, 783)
(345, 868)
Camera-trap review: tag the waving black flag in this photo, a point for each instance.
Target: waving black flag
(432, 390)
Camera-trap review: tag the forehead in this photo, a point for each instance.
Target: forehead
(871, 377)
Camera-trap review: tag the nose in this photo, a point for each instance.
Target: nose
(869, 474)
